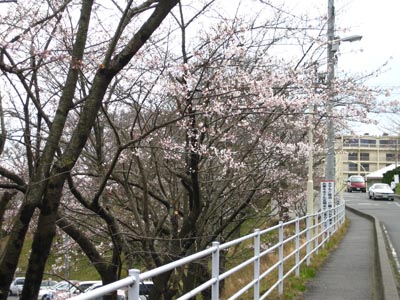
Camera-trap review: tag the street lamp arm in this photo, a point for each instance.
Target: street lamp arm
(352, 38)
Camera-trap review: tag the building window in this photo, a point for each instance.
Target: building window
(367, 143)
(353, 167)
(350, 143)
(364, 156)
(387, 143)
(390, 156)
(353, 156)
(365, 167)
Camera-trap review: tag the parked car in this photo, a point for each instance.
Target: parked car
(47, 293)
(356, 183)
(145, 287)
(380, 191)
(122, 294)
(17, 285)
(48, 283)
(74, 289)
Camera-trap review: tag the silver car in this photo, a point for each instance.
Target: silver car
(380, 191)
(17, 285)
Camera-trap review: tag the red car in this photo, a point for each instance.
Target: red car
(356, 183)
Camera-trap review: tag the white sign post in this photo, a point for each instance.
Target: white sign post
(327, 200)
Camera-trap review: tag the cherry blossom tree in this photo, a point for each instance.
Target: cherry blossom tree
(219, 138)
(42, 34)
(145, 137)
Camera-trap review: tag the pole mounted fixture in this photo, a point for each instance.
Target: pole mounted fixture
(352, 38)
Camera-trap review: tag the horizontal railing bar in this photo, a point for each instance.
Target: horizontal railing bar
(106, 289)
(270, 269)
(198, 289)
(237, 268)
(269, 291)
(323, 225)
(291, 238)
(242, 290)
(269, 229)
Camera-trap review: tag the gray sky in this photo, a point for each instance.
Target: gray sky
(378, 22)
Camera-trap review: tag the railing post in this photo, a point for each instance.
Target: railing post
(332, 211)
(257, 245)
(215, 272)
(330, 223)
(280, 288)
(323, 223)
(133, 290)
(343, 213)
(297, 247)
(336, 216)
(316, 233)
(308, 238)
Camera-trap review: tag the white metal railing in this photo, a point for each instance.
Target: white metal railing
(311, 232)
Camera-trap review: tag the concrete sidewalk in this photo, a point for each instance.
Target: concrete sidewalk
(349, 272)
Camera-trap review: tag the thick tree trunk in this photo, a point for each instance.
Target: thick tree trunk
(53, 188)
(40, 252)
(4, 200)
(161, 289)
(13, 248)
(43, 238)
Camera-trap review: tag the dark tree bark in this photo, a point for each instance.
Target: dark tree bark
(5, 198)
(46, 187)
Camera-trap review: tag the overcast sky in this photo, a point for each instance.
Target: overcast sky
(378, 22)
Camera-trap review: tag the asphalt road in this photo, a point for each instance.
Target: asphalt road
(388, 212)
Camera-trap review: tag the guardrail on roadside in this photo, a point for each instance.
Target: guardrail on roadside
(306, 235)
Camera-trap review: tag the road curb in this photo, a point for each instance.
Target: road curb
(384, 271)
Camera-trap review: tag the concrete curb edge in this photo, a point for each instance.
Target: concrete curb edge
(385, 271)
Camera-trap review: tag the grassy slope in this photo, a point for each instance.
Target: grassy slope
(293, 288)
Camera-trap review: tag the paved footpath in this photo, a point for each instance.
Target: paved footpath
(348, 272)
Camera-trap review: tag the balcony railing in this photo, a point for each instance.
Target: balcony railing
(363, 145)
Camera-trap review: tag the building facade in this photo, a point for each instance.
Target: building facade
(361, 155)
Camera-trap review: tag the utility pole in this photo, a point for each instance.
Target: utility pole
(310, 182)
(330, 157)
(310, 174)
(396, 155)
